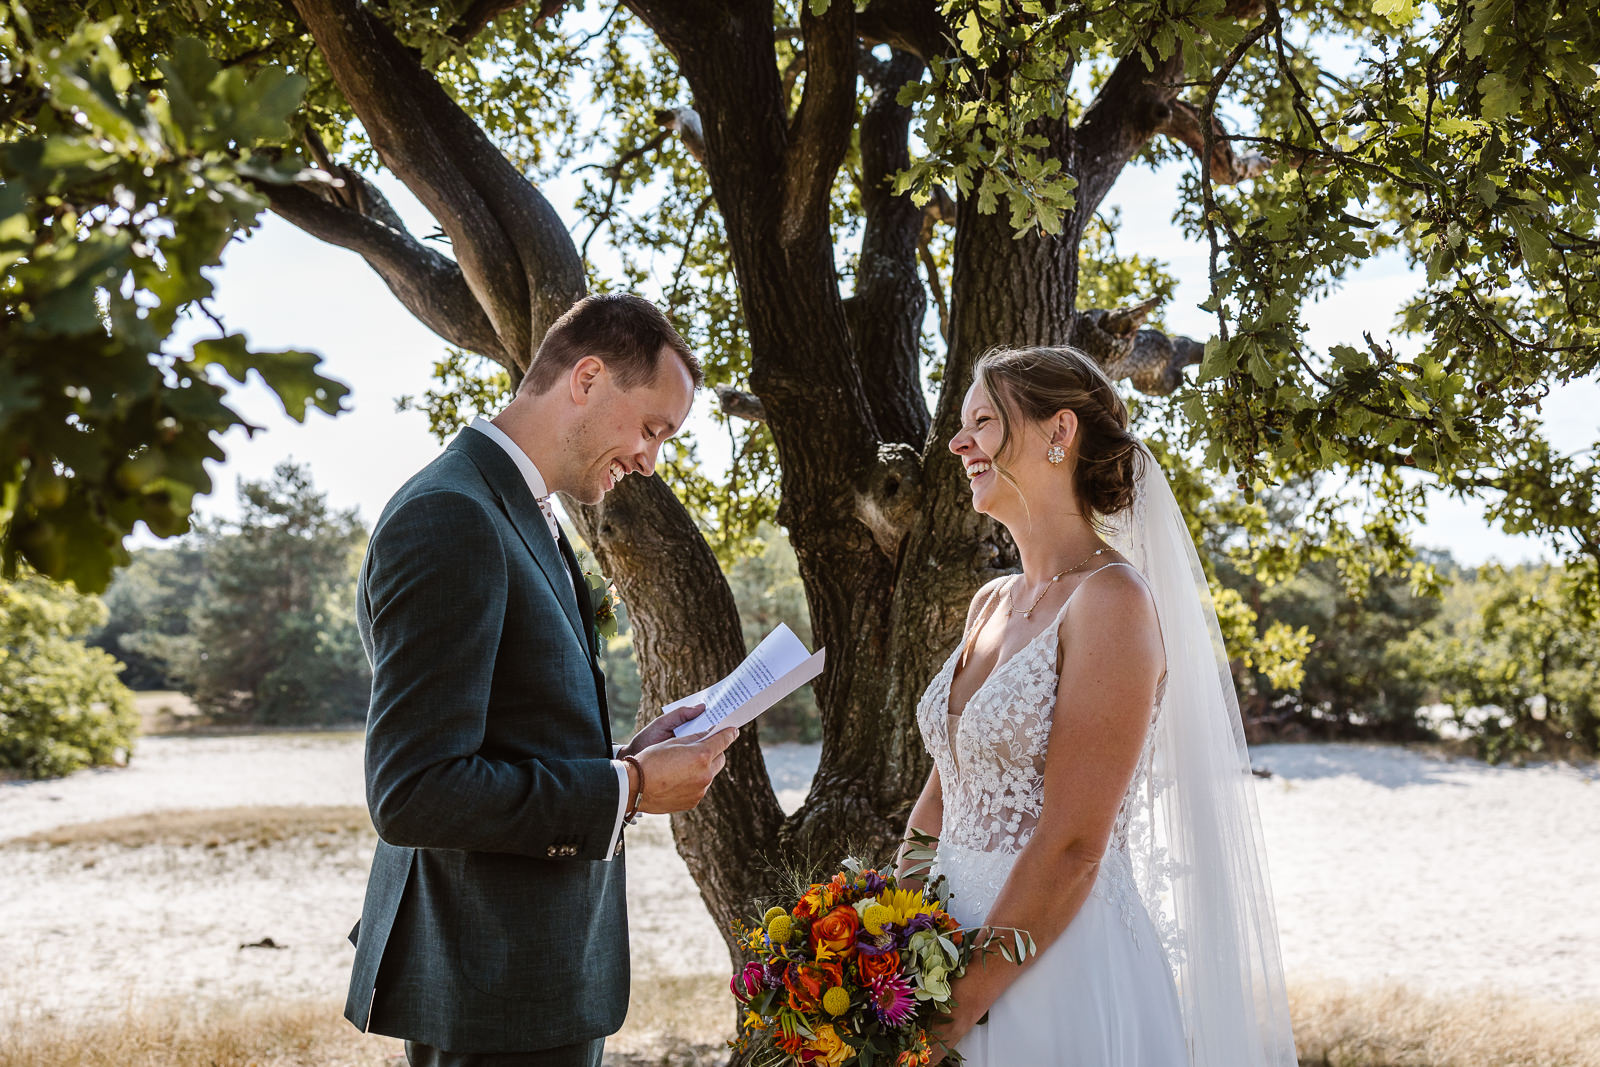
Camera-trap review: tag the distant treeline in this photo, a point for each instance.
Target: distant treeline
(254, 618)
(1508, 658)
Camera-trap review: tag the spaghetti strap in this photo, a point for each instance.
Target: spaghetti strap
(1161, 683)
(1085, 581)
(977, 624)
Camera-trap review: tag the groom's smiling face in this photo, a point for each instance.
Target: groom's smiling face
(620, 430)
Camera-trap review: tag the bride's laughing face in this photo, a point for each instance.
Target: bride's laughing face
(978, 444)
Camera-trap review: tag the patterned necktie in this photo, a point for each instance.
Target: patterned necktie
(549, 516)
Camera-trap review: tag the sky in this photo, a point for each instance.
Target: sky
(286, 289)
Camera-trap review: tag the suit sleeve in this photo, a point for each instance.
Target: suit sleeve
(435, 629)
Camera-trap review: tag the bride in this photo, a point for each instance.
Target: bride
(1090, 783)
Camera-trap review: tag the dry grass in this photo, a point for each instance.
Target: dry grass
(179, 1035)
(1391, 1027)
(679, 1022)
(660, 1032)
(674, 1021)
(210, 828)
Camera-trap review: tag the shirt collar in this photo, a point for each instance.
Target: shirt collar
(530, 473)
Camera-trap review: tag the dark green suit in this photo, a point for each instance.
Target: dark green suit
(490, 922)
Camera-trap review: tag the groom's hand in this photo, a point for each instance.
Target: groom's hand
(660, 729)
(678, 771)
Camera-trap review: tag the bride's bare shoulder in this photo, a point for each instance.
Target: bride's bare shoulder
(991, 589)
(1116, 605)
(984, 597)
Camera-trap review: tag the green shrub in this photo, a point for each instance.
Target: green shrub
(1516, 659)
(1358, 679)
(61, 705)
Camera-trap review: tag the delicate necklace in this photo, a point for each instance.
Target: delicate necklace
(1027, 613)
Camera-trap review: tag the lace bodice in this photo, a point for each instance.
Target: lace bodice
(992, 769)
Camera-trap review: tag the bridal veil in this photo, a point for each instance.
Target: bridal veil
(1196, 843)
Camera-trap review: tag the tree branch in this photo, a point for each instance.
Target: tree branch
(1132, 105)
(685, 121)
(888, 499)
(1152, 360)
(913, 26)
(821, 131)
(738, 404)
(613, 172)
(475, 19)
(494, 217)
(428, 283)
(935, 285)
(1184, 124)
(887, 309)
(1208, 112)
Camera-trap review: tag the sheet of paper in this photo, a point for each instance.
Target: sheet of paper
(775, 668)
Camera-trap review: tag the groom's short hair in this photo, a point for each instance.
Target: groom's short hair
(624, 331)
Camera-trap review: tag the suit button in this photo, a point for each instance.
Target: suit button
(572, 850)
(552, 852)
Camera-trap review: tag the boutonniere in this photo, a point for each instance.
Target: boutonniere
(604, 604)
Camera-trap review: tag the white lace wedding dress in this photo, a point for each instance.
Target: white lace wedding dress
(1103, 994)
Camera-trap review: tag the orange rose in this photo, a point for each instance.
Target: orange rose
(871, 967)
(837, 930)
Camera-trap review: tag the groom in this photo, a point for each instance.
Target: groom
(495, 926)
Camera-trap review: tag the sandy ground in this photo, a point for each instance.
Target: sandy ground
(1387, 865)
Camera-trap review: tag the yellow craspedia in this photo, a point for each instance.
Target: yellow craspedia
(874, 918)
(780, 929)
(836, 1001)
(772, 913)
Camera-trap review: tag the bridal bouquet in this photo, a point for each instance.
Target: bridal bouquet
(853, 973)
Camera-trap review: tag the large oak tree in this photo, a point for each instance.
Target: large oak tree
(844, 205)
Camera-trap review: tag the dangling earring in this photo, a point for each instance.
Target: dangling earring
(1056, 454)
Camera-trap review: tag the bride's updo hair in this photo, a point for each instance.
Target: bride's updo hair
(1035, 383)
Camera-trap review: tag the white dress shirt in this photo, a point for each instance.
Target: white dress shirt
(541, 494)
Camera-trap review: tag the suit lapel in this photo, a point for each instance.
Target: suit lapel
(523, 511)
(581, 587)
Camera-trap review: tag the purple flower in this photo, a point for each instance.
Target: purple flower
(775, 971)
(920, 921)
(874, 883)
(870, 944)
(748, 982)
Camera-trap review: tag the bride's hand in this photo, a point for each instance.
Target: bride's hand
(660, 729)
